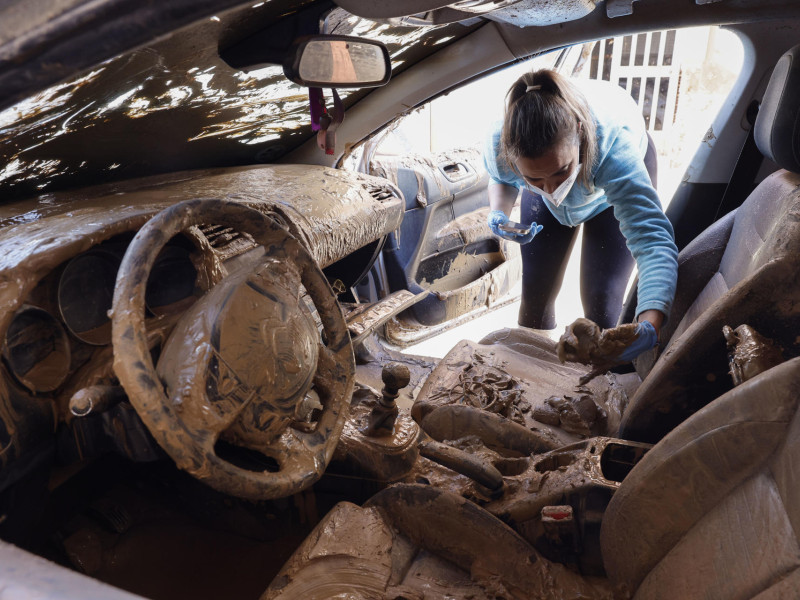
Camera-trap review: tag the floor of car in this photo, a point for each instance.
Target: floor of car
(155, 531)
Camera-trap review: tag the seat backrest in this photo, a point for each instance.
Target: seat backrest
(732, 248)
(713, 510)
(750, 243)
(698, 262)
(755, 281)
(756, 235)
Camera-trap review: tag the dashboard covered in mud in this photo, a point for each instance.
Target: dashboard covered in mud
(59, 259)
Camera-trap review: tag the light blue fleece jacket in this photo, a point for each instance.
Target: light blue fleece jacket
(622, 182)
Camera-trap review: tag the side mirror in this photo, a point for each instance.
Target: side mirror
(337, 61)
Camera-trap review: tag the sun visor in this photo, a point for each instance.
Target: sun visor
(777, 128)
(522, 13)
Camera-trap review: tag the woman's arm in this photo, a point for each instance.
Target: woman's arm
(656, 318)
(502, 197)
(648, 233)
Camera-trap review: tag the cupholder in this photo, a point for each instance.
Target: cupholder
(555, 462)
(618, 460)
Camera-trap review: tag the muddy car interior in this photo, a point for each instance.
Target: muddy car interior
(211, 277)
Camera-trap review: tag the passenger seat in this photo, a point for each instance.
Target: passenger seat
(755, 282)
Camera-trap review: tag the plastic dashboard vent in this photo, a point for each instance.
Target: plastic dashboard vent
(381, 193)
(226, 240)
(219, 236)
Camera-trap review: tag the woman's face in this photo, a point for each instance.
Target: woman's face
(549, 170)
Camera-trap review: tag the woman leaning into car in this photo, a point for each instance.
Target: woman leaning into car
(577, 162)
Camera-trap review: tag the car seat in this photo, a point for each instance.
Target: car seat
(713, 510)
(755, 280)
(742, 269)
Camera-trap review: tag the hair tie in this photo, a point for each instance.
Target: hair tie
(532, 88)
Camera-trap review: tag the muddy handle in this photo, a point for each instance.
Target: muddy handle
(463, 462)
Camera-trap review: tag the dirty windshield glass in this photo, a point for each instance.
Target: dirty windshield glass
(174, 105)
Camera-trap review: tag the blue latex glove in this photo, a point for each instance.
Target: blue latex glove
(498, 217)
(646, 339)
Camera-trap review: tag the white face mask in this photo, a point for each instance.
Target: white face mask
(558, 195)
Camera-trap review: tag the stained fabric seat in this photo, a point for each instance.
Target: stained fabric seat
(744, 269)
(713, 510)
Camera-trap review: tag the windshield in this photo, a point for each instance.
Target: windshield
(175, 105)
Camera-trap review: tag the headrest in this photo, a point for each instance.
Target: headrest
(777, 128)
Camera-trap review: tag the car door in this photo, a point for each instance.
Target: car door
(444, 245)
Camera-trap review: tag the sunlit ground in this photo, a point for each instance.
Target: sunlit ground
(568, 308)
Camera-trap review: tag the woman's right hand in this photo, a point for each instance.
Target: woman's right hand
(498, 217)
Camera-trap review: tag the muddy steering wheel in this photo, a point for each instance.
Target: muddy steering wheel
(245, 366)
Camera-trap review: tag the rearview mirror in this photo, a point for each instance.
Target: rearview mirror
(335, 61)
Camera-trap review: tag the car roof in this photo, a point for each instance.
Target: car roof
(137, 92)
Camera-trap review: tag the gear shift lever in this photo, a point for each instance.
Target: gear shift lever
(381, 419)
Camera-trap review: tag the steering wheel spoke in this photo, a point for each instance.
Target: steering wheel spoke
(326, 367)
(296, 450)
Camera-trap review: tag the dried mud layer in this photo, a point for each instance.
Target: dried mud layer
(412, 541)
(432, 185)
(516, 375)
(750, 353)
(330, 212)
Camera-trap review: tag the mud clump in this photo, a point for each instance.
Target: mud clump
(491, 389)
(585, 342)
(578, 415)
(750, 353)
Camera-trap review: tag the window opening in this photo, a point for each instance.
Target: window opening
(595, 60)
(641, 43)
(626, 51)
(655, 43)
(669, 47)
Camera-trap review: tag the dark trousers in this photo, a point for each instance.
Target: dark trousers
(606, 262)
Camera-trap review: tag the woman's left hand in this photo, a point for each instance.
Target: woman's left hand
(647, 331)
(646, 338)
(654, 317)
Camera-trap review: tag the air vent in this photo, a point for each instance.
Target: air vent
(226, 240)
(381, 193)
(219, 236)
